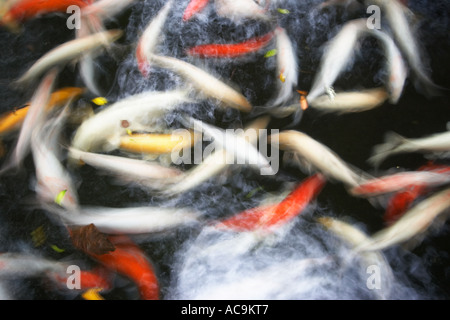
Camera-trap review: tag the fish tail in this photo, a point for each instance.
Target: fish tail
(382, 151)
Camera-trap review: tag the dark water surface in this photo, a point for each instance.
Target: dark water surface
(422, 273)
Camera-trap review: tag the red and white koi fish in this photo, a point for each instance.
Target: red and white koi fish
(287, 67)
(131, 261)
(237, 11)
(150, 38)
(204, 82)
(402, 200)
(339, 52)
(400, 181)
(102, 131)
(35, 116)
(66, 52)
(194, 7)
(320, 157)
(415, 222)
(231, 50)
(395, 144)
(352, 101)
(51, 176)
(274, 215)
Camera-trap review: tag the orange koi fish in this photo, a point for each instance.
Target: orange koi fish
(231, 50)
(12, 120)
(28, 9)
(128, 259)
(194, 7)
(272, 216)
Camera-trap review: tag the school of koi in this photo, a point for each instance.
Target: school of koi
(91, 117)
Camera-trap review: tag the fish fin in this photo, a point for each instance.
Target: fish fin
(293, 159)
(382, 151)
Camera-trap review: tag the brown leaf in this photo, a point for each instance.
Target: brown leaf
(90, 240)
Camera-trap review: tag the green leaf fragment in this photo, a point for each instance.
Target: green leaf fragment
(57, 249)
(60, 197)
(270, 53)
(283, 11)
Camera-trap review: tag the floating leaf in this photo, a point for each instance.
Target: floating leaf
(270, 53)
(282, 77)
(100, 101)
(56, 248)
(253, 192)
(60, 197)
(283, 11)
(92, 294)
(129, 132)
(90, 240)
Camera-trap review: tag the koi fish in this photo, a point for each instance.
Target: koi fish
(12, 120)
(399, 182)
(397, 69)
(273, 215)
(238, 11)
(243, 151)
(353, 236)
(23, 10)
(66, 52)
(51, 176)
(131, 261)
(394, 12)
(103, 130)
(354, 101)
(150, 38)
(126, 169)
(231, 50)
(396, 144)
(194, 7)
(411, 225)
(105, 9)
(338, 52)
(213, 164)
(129, 220)
(287, 67)
(401, 201)
(156, 143)
(319, 156)
(33, 118)
(204, 82)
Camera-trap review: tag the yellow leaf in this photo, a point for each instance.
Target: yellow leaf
(283, 11)
(92, 294)
(100, 101)
(270, 53)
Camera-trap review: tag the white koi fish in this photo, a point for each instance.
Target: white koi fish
(287, 67)
(212, 165)
(126, 169)
(338, 53)
(204, 82)
(102, 131)
(150, 38)
(243, 151)
(319, 156)
(237, 11)
(130, 220)
(67, 52)
(396, 144)
(352, 101)
(54, 183)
